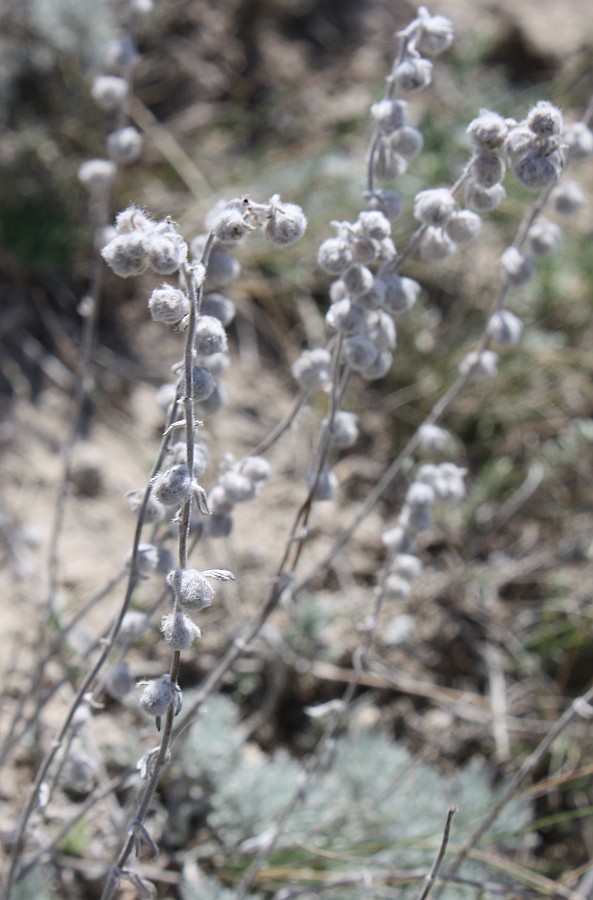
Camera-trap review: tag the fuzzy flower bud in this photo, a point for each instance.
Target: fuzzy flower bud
(168, 305)
(432, 438)
(125, 145)
(230, 226)
(400, 293)
(387, 202)
(434, 207)
(436, 244)
(203, 383)
(482, 199)
(387, 164)
(210, 336)
(173, 486)
(505, 328)
(436, 35)
(335, 256)
(487, 168)
(358, 280)
(463, 226)
(373, 225)
(567, 197)
(119, 681)
(544, 238)
(359, 352)
(220, 307)
(126, 254)
(379, 367)
(388, 115)
(192, 588)
(157, 697)
(256, 468)
(237, 487)
(536, 168)
(147, 559)
(579, 139)
(407, 141)
(179, 631)
(412, 74)
(480, 365)
(286, 223)
(488, 131)
(517, 266)
(344, 428)
(166, 253)
(312, 370)
(544, 119)
(109, 92)
(326, 487)
(96, 174)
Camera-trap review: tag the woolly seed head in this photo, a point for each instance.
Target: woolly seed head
(487, 168)
(344, 428)
(436, 244)
(400, 293)
(286, 223)
(168, 305)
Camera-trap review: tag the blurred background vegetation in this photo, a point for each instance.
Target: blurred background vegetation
(266, 96)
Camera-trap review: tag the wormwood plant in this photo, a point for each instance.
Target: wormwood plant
(356, 797)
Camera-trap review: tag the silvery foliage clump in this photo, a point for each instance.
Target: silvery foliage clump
(361, 801)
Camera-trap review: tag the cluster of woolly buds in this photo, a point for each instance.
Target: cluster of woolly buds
(281, 223)
(505, 328)
(396, 143)
(479, 364)
(483, 188)
(139, 244)
(534, 146)
(158, 695)
(192, 592)
(445, 224)
(239, 481)
(426, 35)
(433, 483)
